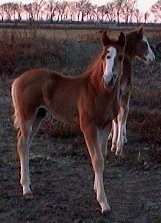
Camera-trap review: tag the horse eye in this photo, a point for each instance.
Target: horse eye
(108, 57)
(145, 45)
(120, 58)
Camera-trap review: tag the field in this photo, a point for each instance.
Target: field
(61, 172)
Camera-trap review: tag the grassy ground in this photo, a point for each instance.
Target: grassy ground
(61, 173)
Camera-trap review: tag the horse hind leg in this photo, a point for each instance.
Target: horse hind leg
(23, 152)
(25, 137)
(39, 116)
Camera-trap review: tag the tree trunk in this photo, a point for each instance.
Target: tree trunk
(118, 17)
(51, 17)
(82, 17)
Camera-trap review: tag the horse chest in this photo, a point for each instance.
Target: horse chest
(106, 112)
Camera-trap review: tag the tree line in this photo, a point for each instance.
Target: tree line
(50, 10)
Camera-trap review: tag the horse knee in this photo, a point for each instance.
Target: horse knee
(98, 163)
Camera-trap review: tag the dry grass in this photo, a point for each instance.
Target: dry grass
(20, 51)
(146, 124)
(50, 34)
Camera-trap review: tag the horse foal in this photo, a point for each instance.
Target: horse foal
(90, 100)
(137, 45)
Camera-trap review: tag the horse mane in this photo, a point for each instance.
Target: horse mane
(95, 66)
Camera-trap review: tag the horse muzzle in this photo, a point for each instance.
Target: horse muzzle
(109, 83)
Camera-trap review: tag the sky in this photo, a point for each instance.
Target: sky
(143, 5)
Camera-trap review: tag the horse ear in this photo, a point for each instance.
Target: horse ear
(122, 39)
(141, 31)
(105, 38)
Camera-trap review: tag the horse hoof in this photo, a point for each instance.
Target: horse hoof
(125, 141)
(105, 207)
(28, 195)
(106, 211)
(110, 137)
(113, 149)
(120, 155)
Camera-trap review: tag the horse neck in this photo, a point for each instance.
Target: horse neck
(96, 73)
(130, 45)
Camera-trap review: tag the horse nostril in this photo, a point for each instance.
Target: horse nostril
(111, 82)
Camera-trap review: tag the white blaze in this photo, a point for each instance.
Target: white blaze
(150, 56)
(109, 60)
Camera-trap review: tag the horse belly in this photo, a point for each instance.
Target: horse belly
(63, 111)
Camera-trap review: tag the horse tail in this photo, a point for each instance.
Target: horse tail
(16, 115)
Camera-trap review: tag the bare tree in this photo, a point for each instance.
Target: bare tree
(8, 9)
(89, 10)
(71, 10)
(17, 9)
(51, 9)
(30, 11)
(138, 15)
(82, 9)
(62, 10)
(110, 11)
(101, 12)
(128, 8)
(156, 10)
(146, 16)
(93, 12)
(38, 7)
(20, 10)
(119, 4)
(2, 12)
(14, 7)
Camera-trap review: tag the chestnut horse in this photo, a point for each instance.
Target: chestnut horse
(136, 46)
(91, 100)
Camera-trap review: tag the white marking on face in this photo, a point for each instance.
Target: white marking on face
(109, 64)
(150, 56)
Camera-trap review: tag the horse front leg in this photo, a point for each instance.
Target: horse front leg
(121, 140)
(115, 135)
(124, 132)
(103, 146)
(103, 132)
(91, 135)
